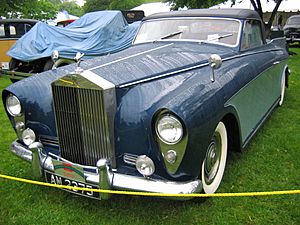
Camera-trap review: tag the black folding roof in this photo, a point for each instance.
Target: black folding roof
(224, 13)
(18, 21)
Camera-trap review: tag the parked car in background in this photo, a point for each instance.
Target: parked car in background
(159, 116)
(94, 34)
(64, 23)
(10, 31)
(292, 29)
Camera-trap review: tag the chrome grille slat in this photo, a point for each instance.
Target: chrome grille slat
(81, 121)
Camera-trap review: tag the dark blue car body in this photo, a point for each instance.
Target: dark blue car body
(151, 80)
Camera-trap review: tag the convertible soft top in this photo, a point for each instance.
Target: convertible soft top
(226, 13)
(96, 33)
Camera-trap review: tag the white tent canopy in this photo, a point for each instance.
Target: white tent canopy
(64, 15)
(285, 6)
(155, 7)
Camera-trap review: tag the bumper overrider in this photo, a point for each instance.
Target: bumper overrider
(102, 175)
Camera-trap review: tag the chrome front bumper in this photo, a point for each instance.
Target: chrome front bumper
(104, 176)
(292, 39)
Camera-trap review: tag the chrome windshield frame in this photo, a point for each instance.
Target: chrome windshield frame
(192, 40)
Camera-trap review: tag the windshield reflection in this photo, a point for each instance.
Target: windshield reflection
(215, 30)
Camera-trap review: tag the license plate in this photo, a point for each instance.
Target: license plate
(56, 179)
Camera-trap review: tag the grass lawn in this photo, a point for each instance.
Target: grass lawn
(270, 162)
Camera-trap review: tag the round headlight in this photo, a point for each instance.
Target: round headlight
(145, 165)
(28, 136)
(169, 129)
(13, 105)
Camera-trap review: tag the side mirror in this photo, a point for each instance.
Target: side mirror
(215, 62)
(78, 56)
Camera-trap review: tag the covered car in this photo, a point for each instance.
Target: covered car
(94, 34)
(159, 116)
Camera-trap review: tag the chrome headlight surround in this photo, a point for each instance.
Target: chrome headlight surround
(13, 105)
(169, 129)
(172, 137)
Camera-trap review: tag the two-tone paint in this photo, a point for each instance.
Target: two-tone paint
(152, 78)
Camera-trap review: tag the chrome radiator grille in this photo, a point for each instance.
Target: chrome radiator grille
(82, 124)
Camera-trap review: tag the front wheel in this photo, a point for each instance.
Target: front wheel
(213, 166)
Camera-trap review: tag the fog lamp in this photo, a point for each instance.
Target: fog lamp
(20, 126)
(171, 156)
(28, 136)
(145, 165)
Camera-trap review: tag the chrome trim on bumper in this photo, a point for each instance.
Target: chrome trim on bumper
(21, 151)
(104, 176)
(293, 39)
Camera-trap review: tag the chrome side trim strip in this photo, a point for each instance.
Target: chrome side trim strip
(190, 68)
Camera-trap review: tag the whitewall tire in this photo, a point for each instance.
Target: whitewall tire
(213, 166)
(282, 86)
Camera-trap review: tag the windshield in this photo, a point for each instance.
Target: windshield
(220, 31)
(294, 21)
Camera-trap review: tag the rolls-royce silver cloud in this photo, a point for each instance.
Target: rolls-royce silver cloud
(159, 116)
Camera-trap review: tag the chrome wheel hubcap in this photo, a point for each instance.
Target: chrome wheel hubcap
(212, 160)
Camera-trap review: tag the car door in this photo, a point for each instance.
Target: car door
(260, 91)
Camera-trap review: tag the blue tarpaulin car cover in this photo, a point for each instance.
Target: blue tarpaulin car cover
(94, 34)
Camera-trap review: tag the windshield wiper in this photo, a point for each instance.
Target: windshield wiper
(171, 35)
(220, 37)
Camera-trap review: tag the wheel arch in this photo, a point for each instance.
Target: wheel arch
(287, 74)
(233, 131)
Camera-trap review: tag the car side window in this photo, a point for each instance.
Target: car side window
(27, 28)
(252, 35)
(12, 30)
(2, 31)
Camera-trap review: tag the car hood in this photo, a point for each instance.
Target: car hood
(135, 64)
(148, 61)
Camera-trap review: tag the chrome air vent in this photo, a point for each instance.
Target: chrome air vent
(84, 108)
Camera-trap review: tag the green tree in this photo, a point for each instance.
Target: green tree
(95, 5)
(208, 3)
(71, 7)
(194, 4)
(124, 4)
(41, 9)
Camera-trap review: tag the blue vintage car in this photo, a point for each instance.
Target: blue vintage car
(159, 116)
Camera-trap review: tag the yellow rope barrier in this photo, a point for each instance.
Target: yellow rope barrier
(244, 194)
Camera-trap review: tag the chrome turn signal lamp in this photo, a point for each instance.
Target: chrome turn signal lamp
(171, 156)
(145, 165)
